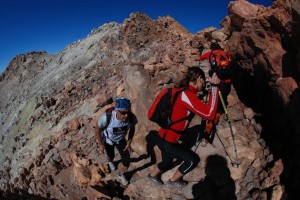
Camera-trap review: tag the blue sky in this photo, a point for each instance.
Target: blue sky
(51, 25)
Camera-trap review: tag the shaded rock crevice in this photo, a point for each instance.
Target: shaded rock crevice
(269, 81)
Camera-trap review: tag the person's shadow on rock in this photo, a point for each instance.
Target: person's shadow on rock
(218, 184)
(151, 140)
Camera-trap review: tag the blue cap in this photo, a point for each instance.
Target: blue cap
(122, 104)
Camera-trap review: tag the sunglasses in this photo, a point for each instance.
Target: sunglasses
(124, 112)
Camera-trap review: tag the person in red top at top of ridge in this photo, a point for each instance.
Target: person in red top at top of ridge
(223, 72)
(186, 103)
(220, 62)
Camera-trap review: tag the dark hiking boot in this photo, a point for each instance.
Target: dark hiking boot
(155, 179)
(123, 180)
(203, 142)
(178, 183)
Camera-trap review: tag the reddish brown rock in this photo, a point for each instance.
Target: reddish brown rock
(74, 125)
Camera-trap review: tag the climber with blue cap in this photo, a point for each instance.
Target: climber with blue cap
(122, 104)
(111, 131)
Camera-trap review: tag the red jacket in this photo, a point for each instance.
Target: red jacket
(188, 102)
(205, 56)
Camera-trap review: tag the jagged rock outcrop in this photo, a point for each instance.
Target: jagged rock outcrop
(47, 143)
(265, 42)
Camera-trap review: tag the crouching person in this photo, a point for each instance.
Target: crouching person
(111, 131)
(186, 103)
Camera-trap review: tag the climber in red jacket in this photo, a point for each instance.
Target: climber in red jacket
(220, 63)
(187, 102)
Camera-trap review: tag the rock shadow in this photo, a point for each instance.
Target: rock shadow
(112, 189)
(218, 184)
(20, 194)
(151, 139)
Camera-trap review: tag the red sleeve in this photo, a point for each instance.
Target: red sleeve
(205, 56)
(195, 105)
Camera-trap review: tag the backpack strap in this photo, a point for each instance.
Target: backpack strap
(171, 111)
(212, 59)
(108, 115)
(213, 63)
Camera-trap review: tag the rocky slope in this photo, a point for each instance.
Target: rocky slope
(50, 104)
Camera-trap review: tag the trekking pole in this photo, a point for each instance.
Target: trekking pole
(200, 50)
(207, 87)
(237, 162)
(198, 136)
(232, 162)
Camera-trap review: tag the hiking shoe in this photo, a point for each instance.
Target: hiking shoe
(111, 166)
(203, 142)
(123, 180)
(155, 179)
(178, 183)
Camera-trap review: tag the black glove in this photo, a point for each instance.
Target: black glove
(200, 48)
(207, 86)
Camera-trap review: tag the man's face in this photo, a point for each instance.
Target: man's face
(123, 114)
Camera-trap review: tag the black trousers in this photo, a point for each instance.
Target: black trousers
(169, 151)
(110, 151)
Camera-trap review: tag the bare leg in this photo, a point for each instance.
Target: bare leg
(155, 172)
(177, 175)
(122, 169)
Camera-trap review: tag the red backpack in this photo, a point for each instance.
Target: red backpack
(220, 58)
(161, 109)
(220, 62)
